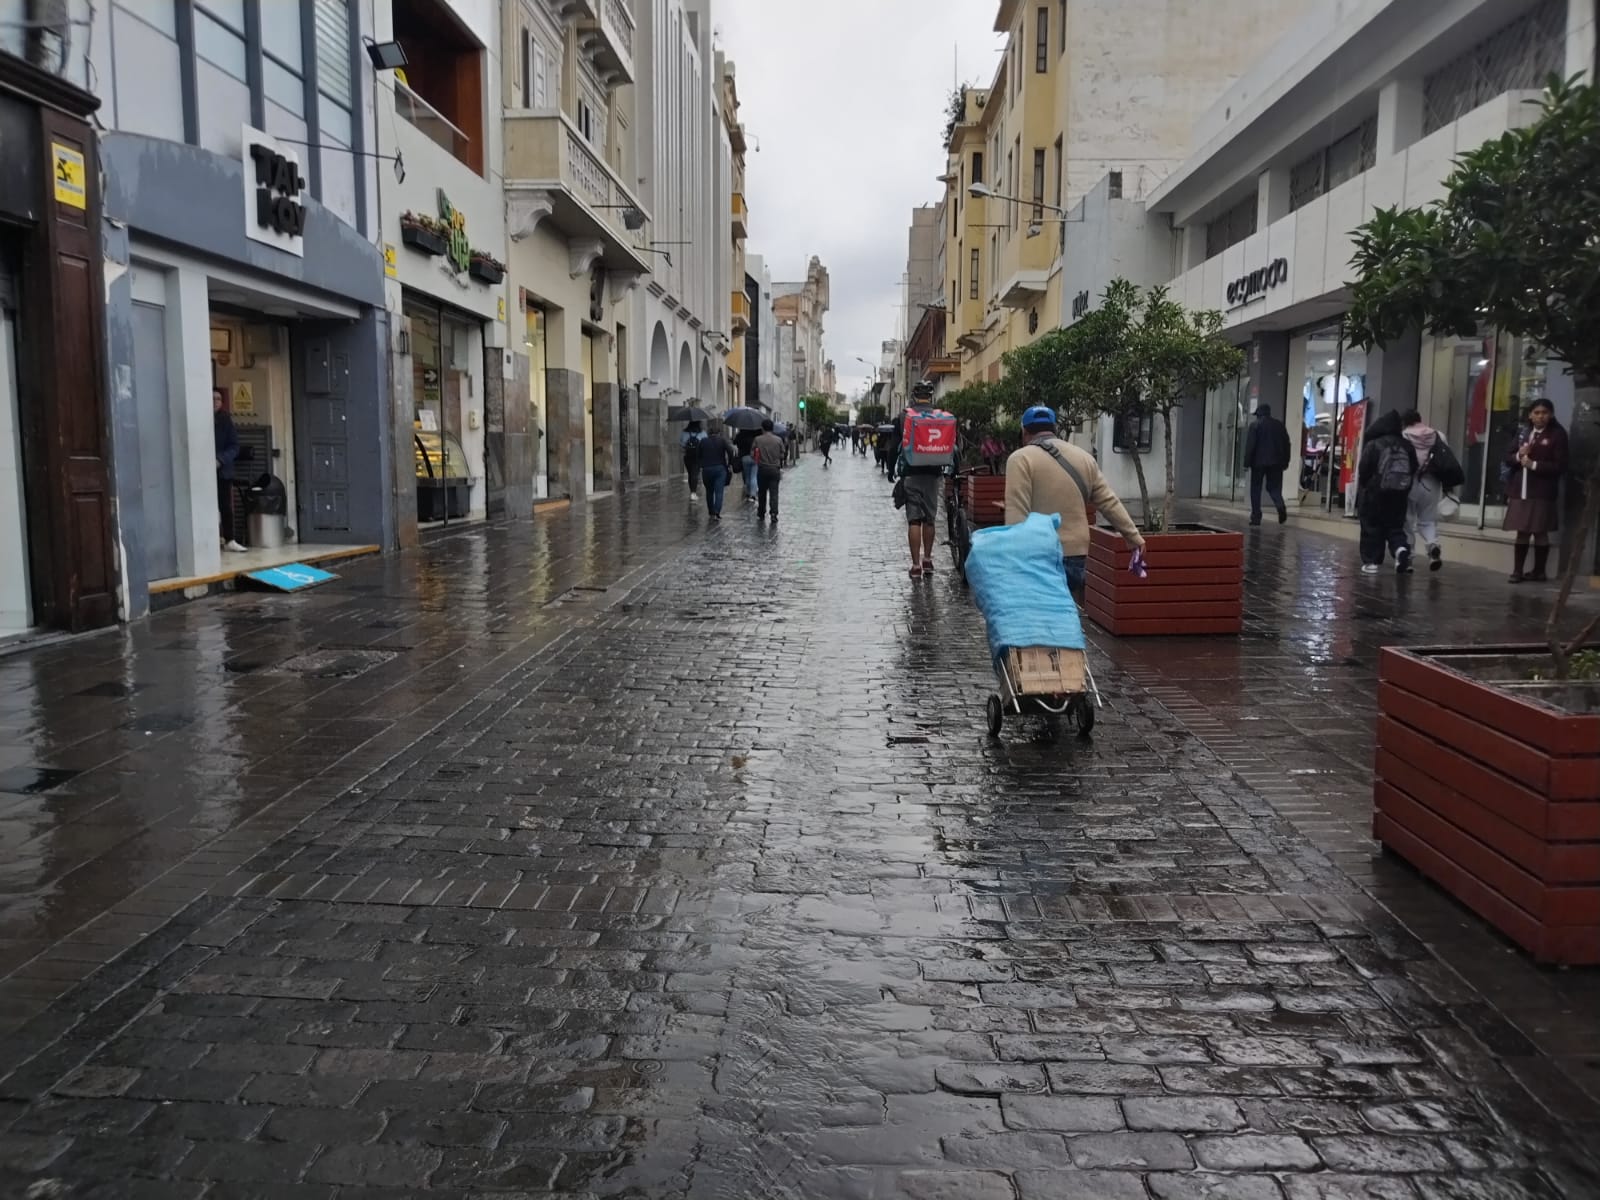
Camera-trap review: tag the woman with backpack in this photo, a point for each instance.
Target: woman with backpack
(1384, 476)
(1438, 470)
(1533, 490)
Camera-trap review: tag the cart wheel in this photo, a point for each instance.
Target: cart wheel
(1083, 712)
(996, 716)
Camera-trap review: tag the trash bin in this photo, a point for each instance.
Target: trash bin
(267, 503)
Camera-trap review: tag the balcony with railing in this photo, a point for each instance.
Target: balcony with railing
(553, 173)
(741, 216)
(605, 36)
(741, 312)
(435, 126)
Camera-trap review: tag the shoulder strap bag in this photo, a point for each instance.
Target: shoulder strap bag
(1061, 461)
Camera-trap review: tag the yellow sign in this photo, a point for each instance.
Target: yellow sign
(500, 306)
(244, 399)
(71, 180)
(391, 268)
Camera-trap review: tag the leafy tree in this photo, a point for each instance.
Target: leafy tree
(872, 414)
(1134, 355)
(979, 408)
(818, 411)
(1513, 244)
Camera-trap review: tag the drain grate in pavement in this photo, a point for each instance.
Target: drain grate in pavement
(908, 739)
(334, 662)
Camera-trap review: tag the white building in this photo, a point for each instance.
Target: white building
(761, 363)
(682, 317)
(1257, 223)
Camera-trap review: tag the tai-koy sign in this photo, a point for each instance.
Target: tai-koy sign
(274, 205)
(1256, 284)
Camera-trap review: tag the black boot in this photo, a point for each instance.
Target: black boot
(1541, 556)
(1519, 559)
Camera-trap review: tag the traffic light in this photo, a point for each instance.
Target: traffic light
(802, 406)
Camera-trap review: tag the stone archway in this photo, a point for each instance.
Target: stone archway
(654, 436)
(709, 393)
(685, 380)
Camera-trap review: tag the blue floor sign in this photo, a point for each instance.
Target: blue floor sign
(291, 577)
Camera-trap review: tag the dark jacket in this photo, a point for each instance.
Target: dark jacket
(1548, 449)
(1266, 446)
(744, 440)
(1384, 432)
(716, 451)
(227, 439)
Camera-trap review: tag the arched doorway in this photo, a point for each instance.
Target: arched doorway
(708, 391)
(685, 381)
(657, 445)
(660, 358)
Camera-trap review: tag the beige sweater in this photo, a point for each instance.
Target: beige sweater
(1035, 483)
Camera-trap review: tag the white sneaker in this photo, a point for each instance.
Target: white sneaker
(1369, 568)
(234, 547)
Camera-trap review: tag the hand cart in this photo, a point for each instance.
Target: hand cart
(1046, 681)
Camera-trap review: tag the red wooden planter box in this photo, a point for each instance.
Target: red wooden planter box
(1195, 584)
(1495, 797)
(984, 498)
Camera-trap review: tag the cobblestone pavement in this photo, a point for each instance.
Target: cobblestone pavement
(609, 855)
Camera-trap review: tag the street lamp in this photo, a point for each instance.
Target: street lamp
(982, 191)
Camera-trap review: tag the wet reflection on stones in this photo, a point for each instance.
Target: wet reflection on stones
(543, 861)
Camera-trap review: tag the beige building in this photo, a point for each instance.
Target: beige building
(573, 224)
(803, 306)
(739, 310)
(1085, 90)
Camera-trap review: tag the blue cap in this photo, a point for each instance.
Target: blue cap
(1039, 414)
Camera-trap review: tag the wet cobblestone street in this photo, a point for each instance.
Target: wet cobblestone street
(611, 855)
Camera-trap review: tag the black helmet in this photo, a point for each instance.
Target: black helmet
(922, 391)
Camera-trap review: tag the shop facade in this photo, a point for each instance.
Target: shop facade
(57, 508)
(272, 311)
(1265, 212)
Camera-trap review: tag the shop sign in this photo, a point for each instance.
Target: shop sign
(70, 181)
(1256, 284)
(459, 251)
(274, 212)
(391, 266)
(1080, 304)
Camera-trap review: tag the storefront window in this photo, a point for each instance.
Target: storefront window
(1475, 391)
(1226, 423)
(1333, 404)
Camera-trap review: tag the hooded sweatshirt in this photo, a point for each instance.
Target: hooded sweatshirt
(1422, 437)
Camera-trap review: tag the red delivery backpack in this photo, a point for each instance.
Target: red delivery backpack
(928, 437)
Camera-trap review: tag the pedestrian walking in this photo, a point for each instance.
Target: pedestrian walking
(227, 447)
(718, 461)
(1533, 490)
(1267, 453)
(689, 444)
(769, 454)
(889, 440)
(1384, 476)
(1438, 470)
(1050, 476)
(922, 479)
(742, 442)
(827, 447)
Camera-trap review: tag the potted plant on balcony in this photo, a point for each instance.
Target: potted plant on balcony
(1488, 763)
(485, 267)
(424, 233)
(1139, 355)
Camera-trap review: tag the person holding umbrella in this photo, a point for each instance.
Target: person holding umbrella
(689, 439)
(717, 464)
(746, 424)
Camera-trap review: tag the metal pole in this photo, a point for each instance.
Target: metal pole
(1488, 420)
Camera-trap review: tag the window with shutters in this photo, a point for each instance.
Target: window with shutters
(1041, 47)
(973, 292)
(1232, 227)
(1338, 162)
(1038, 183)
(1521, 54)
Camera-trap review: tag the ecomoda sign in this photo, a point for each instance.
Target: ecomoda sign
(1256, 284)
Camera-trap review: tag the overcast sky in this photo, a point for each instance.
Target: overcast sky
(846, 99)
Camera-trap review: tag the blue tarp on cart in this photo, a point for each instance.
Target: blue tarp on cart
(1020, 586)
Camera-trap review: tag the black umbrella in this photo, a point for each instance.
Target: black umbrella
(744, 418)
(688, 412)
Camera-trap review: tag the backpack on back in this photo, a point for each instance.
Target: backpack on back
(928, 437)
(1395, 473)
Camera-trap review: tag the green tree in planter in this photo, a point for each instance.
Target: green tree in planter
(1514, 244)
(818, 412)
(978, 409)
(872, 414)
(1134, 355)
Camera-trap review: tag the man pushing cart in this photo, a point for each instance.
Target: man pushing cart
(1025, 575)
